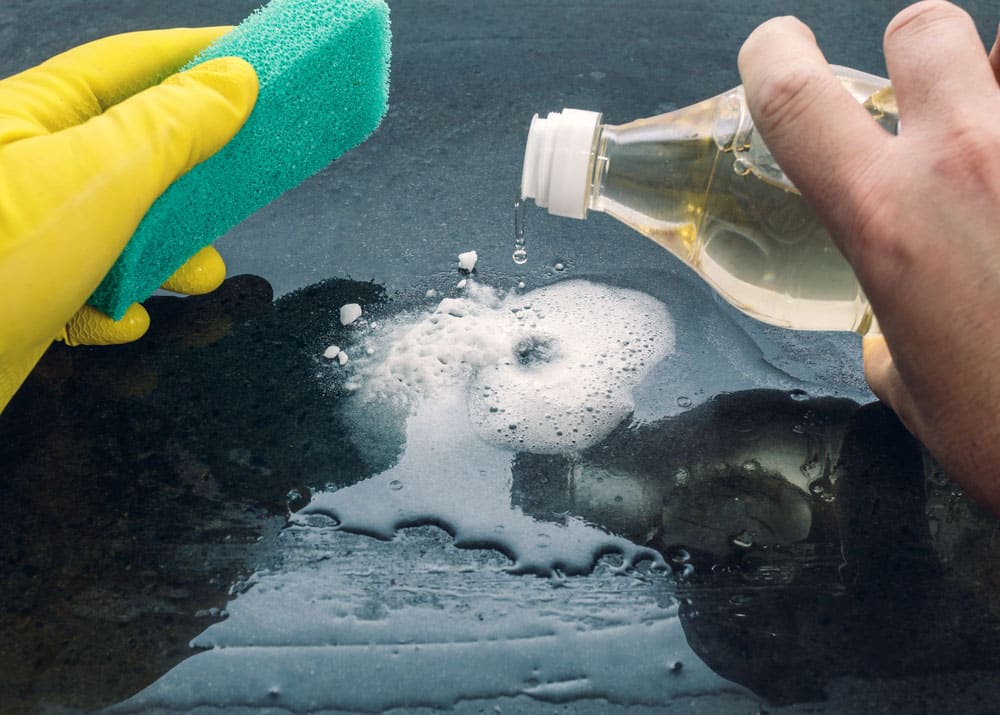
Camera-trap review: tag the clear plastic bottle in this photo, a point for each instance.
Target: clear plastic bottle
(701, 183)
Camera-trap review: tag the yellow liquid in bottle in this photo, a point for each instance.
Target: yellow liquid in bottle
(726, 209)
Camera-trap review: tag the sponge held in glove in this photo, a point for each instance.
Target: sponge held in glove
(323, 70)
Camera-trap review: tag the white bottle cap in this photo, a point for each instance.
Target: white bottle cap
(559, 161)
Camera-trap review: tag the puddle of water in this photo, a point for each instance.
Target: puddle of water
(481, 378)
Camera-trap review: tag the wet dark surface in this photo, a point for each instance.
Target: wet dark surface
(816, 560)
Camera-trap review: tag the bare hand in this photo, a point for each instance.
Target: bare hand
(917, 215)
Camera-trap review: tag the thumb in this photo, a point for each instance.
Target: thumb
(884, 379)
(78, 195)
(122, 160)
(72, 199)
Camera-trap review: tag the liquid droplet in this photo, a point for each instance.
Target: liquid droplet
(520, 254)
(743, 540)
(395, 485)
(684, 401)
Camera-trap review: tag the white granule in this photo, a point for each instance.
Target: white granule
(467, 261)
(349, 313)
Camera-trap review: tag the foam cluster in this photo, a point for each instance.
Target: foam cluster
(323, 69)
(551, 370)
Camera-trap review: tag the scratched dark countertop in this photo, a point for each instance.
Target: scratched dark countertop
(147, 491)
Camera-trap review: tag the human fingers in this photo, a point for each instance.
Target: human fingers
(90, 326)
(936, 60)
(69, 201)
(85, 81)
(822, 138)
(105, 174)
(201, 273)
(995, 57)
(884, 379)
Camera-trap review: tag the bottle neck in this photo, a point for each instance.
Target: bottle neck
(652, 174)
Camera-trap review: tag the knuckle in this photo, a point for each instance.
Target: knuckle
(965, 160)
(874, 241)
(783, 97)
(921, 18)
(870, 215)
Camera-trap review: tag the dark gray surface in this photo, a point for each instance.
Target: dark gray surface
(144, 485)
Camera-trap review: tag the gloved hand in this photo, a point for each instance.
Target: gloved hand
(88, 140)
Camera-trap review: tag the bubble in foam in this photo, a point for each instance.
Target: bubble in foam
(558, 363)
(569, 375)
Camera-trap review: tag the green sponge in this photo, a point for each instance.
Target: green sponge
(323, 68)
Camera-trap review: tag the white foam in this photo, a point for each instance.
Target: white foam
(547, 371)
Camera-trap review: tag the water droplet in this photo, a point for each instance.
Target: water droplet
(822, 489)
(559, 267)
(395, 485)
(743, 540)
(520, 255)
(799, 395)
(675, 666)
(684, 401)
(752, 466)
(297, 498)
(680, 556)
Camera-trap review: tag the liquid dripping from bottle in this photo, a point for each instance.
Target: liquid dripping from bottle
(520, 255)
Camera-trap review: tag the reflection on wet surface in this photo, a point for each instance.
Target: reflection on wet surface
(212, 486)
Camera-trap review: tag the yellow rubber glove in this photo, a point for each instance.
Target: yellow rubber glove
(88, 141)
